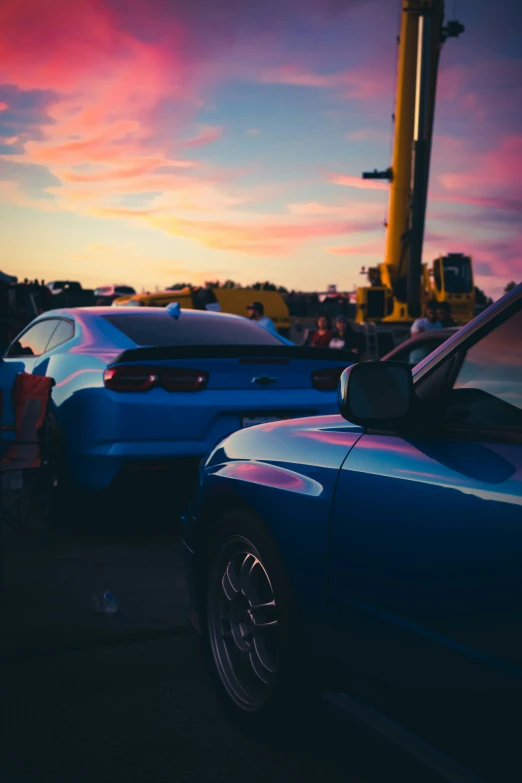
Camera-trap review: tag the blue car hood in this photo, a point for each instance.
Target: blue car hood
(322, 441)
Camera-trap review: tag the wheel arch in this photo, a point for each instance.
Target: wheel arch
(212, 509)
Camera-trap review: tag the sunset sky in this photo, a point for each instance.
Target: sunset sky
(153, 141)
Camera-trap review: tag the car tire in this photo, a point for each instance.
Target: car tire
(259, 663)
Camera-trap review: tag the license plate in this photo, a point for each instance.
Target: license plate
(251, 421)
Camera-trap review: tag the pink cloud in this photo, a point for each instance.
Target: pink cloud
(504, 204)
(350, 181)
(499, 170)
(375, 248)
(316, 208)
(482, 87)
(106, 84)
(253, 131)
(3, 106)
(204, 136)
(461, 175)
(363, 83)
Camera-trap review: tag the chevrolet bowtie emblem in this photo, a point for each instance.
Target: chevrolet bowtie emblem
(263, 380)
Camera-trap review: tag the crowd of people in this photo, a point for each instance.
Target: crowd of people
(343, 337)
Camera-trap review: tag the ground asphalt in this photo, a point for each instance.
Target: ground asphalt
(87, 697)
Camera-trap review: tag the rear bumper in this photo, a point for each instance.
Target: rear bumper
(160, 434)
(100, 469)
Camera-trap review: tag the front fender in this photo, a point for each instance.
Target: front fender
(290, 486)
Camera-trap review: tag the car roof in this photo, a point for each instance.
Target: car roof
(85, 313)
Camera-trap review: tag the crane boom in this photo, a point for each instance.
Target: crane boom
(400, 277)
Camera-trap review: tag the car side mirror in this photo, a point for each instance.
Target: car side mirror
(376, 392)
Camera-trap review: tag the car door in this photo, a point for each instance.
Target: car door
(426, 547)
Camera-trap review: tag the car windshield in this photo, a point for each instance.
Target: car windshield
(162, 330)
(124, 289)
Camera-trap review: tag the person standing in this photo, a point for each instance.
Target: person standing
(256, 312)
(429, 323)
(344, 338)
(323, 334)
(444, 315)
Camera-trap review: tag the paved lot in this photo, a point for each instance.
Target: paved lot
(87, 697)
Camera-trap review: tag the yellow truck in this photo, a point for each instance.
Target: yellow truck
(226, 300)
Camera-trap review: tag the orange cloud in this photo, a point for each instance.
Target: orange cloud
(143, 167)
(366, 215)
(261, 235)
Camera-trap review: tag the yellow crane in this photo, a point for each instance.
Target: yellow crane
(400, 287)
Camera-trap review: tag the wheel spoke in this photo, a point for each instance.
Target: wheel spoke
(230, 583)
(245, 573)
(264, 615)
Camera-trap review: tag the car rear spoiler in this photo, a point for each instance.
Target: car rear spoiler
(283, 353)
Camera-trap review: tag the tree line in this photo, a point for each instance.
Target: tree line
(480, 297)
(266, 286)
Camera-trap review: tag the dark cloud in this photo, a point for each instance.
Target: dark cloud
(203, 30)
(25, 116)
(32, 179)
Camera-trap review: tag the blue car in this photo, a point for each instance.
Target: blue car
(143, 386)
(375, 556)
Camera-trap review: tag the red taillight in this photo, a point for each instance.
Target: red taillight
(327, 380)
(183, 380)
(130, 378)
(136, 378)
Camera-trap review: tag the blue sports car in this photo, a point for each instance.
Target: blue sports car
(142, 386)
(376, 556)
